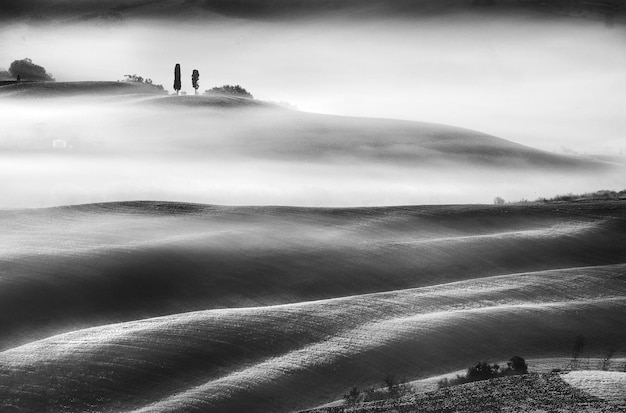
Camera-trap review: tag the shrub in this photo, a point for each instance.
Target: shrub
(139, 79)
(353, 397)
(482, 371)
(516, 365)
(485, 371)
(229, 90)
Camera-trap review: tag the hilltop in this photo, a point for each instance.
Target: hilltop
(83, 88)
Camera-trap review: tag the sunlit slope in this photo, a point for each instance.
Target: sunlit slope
(286, 357)
(67, 268)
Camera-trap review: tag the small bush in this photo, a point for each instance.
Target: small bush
(353, 397)
(229, 90)
(485, 371)
(139, 79)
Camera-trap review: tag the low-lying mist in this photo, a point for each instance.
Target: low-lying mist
(95, 149)
(551, 83)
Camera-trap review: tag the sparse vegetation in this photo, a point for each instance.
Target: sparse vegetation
(485, 371)
(229, 90)
(601, 195)
(139, 79)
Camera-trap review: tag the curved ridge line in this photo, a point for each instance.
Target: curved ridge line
(152, 322)
(276, 366)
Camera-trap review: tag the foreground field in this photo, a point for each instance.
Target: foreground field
(178, 307)
(530, 393)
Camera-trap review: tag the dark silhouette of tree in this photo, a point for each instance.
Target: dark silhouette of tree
(516, 365)
(482, 371)
(195, 76)
(177, 78)
(27, 70)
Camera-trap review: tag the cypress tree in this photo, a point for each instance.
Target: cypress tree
(195, 76)
(177, 78)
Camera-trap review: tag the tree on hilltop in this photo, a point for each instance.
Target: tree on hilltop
(27, 70)
(195, 76)
(177, 78)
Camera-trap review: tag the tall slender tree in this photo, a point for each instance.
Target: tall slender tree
(195, 76)
(177, 78)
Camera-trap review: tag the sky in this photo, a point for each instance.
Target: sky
(554, 83)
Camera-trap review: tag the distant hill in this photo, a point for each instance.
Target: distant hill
(57, 89)
(269, 131)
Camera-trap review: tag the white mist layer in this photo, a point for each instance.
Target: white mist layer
(83, 150)
(554, 84)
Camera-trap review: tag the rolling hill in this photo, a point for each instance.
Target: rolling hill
(129, 143)
(183, 307)
(64, 89)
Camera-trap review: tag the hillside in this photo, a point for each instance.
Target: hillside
(64, 89)
(184, 307)
(129, 143)
(529, 393)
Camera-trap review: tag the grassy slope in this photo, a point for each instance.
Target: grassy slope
(65, 268)
(233, 360)
(59, 89)
(68, 268)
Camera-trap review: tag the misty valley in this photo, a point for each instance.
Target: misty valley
(312, 207)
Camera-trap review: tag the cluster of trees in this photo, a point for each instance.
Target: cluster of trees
(25, 69)
(394, 388)
(139, 79)
(229, 90)
(485, 371)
